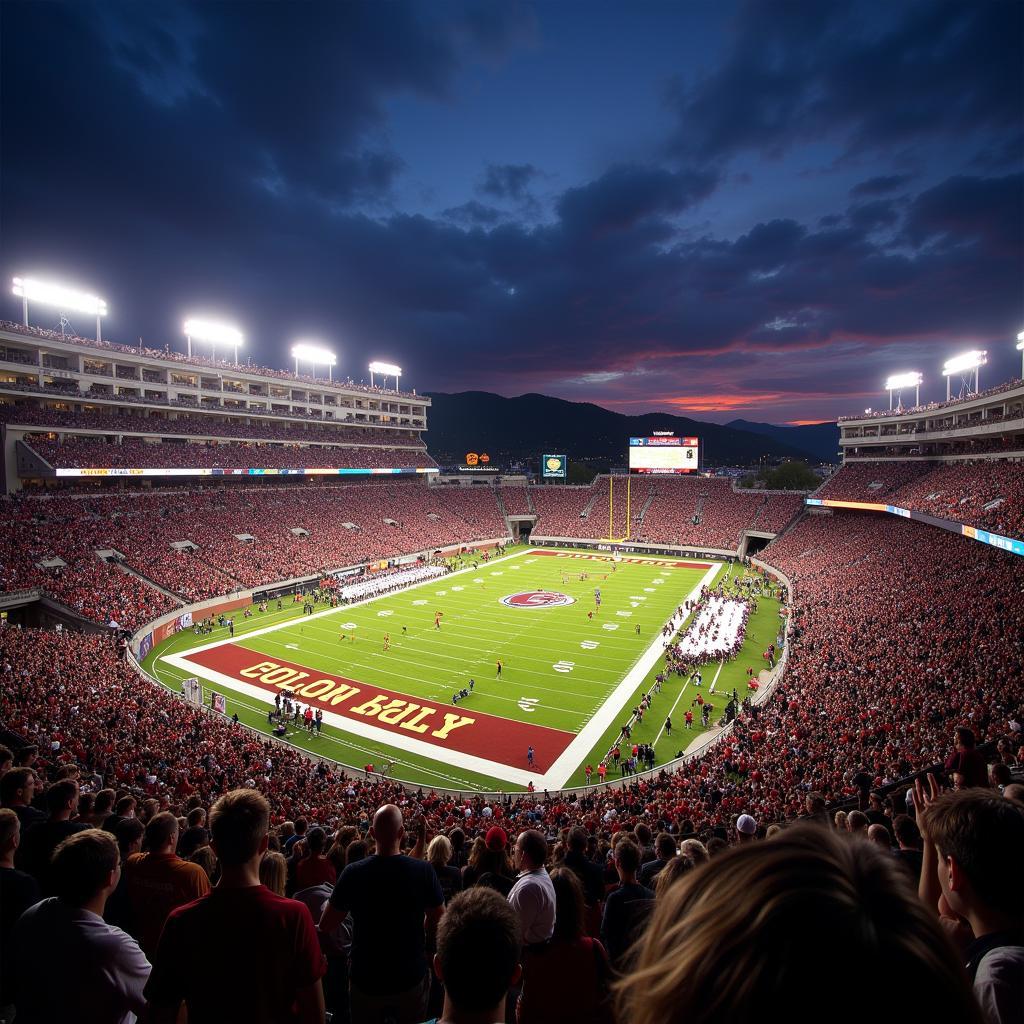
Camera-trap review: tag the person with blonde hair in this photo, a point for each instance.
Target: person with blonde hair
(274, 872)
(780, 921)
(439, 853)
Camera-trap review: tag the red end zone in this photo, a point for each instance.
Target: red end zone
(450, 727)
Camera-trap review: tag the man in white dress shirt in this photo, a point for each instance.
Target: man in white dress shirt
(533, 895)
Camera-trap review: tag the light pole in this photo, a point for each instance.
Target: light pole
(302, 352)
(898, 381)
(48, 293)
(963, 365)
(385, 370)
(213, 334)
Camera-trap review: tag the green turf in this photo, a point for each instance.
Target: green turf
(476, 631)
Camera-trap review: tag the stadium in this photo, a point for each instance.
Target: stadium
(297, 700)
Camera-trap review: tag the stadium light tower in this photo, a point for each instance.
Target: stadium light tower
(214, 334)
(48, 293)
(1020, 348)
(385, 370)
(964, 365)
(303, 352)
(898, 381)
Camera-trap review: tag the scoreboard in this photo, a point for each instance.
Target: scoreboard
(664, 453)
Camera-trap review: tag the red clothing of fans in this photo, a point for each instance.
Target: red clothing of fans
(200, 951)
(314, 870)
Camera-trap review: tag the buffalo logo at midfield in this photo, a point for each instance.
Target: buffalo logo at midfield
(538, 599)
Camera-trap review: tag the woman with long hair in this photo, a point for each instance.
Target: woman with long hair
(274, 872)
(566, 980)
(776, 926)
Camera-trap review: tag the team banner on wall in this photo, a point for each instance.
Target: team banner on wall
(553, 466)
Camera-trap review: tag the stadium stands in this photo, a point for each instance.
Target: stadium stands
(181, 357)
(130, 454)
(899, 633)
(202, 425)
(987, 494)
(691, 511)
(386, 520)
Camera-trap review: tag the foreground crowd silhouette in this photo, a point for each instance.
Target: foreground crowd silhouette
(709, 892)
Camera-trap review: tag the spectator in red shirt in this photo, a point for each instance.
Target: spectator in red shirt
(159, 880)
(967, 760)
(217, 937)
(313, 868)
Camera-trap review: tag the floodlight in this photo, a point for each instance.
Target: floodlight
(313, 354)
(386, 369)
(964, 363)
(29, 289)
(898, 381)
(1020, 341)
(218, 334)
(50, 294)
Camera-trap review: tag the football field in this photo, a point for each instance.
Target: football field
(577, 636)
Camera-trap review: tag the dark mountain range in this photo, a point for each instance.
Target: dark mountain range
(531, 425)
(818, 440)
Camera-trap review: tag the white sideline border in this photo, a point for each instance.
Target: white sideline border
(565, 764)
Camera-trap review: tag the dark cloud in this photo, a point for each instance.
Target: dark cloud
(628, 194)
(870, 75)
(966, 209)
(474, 213)
(881, 213)
(194, 162)
(880, 185)
(508, 181)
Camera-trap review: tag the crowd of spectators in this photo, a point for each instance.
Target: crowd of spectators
(89, 453)
(697, 512)
(515, 499)
(203, 425)
(194, 360)
(133, 840)
(988, 494)
(343, 525)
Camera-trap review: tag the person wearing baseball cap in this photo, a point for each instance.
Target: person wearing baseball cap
(496, 838)
(746, 828)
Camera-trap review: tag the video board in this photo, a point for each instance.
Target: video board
(553, 466)
(664, 453)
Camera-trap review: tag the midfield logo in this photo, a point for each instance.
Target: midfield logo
(538, 599)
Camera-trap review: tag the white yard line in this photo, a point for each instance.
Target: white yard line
(569, 760)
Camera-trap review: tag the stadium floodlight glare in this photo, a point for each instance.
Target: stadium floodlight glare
(49, 293)
(1020, 348)
(898, 381)
(964, 364)
(303, 352)
(213, 334)
(385, 370)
